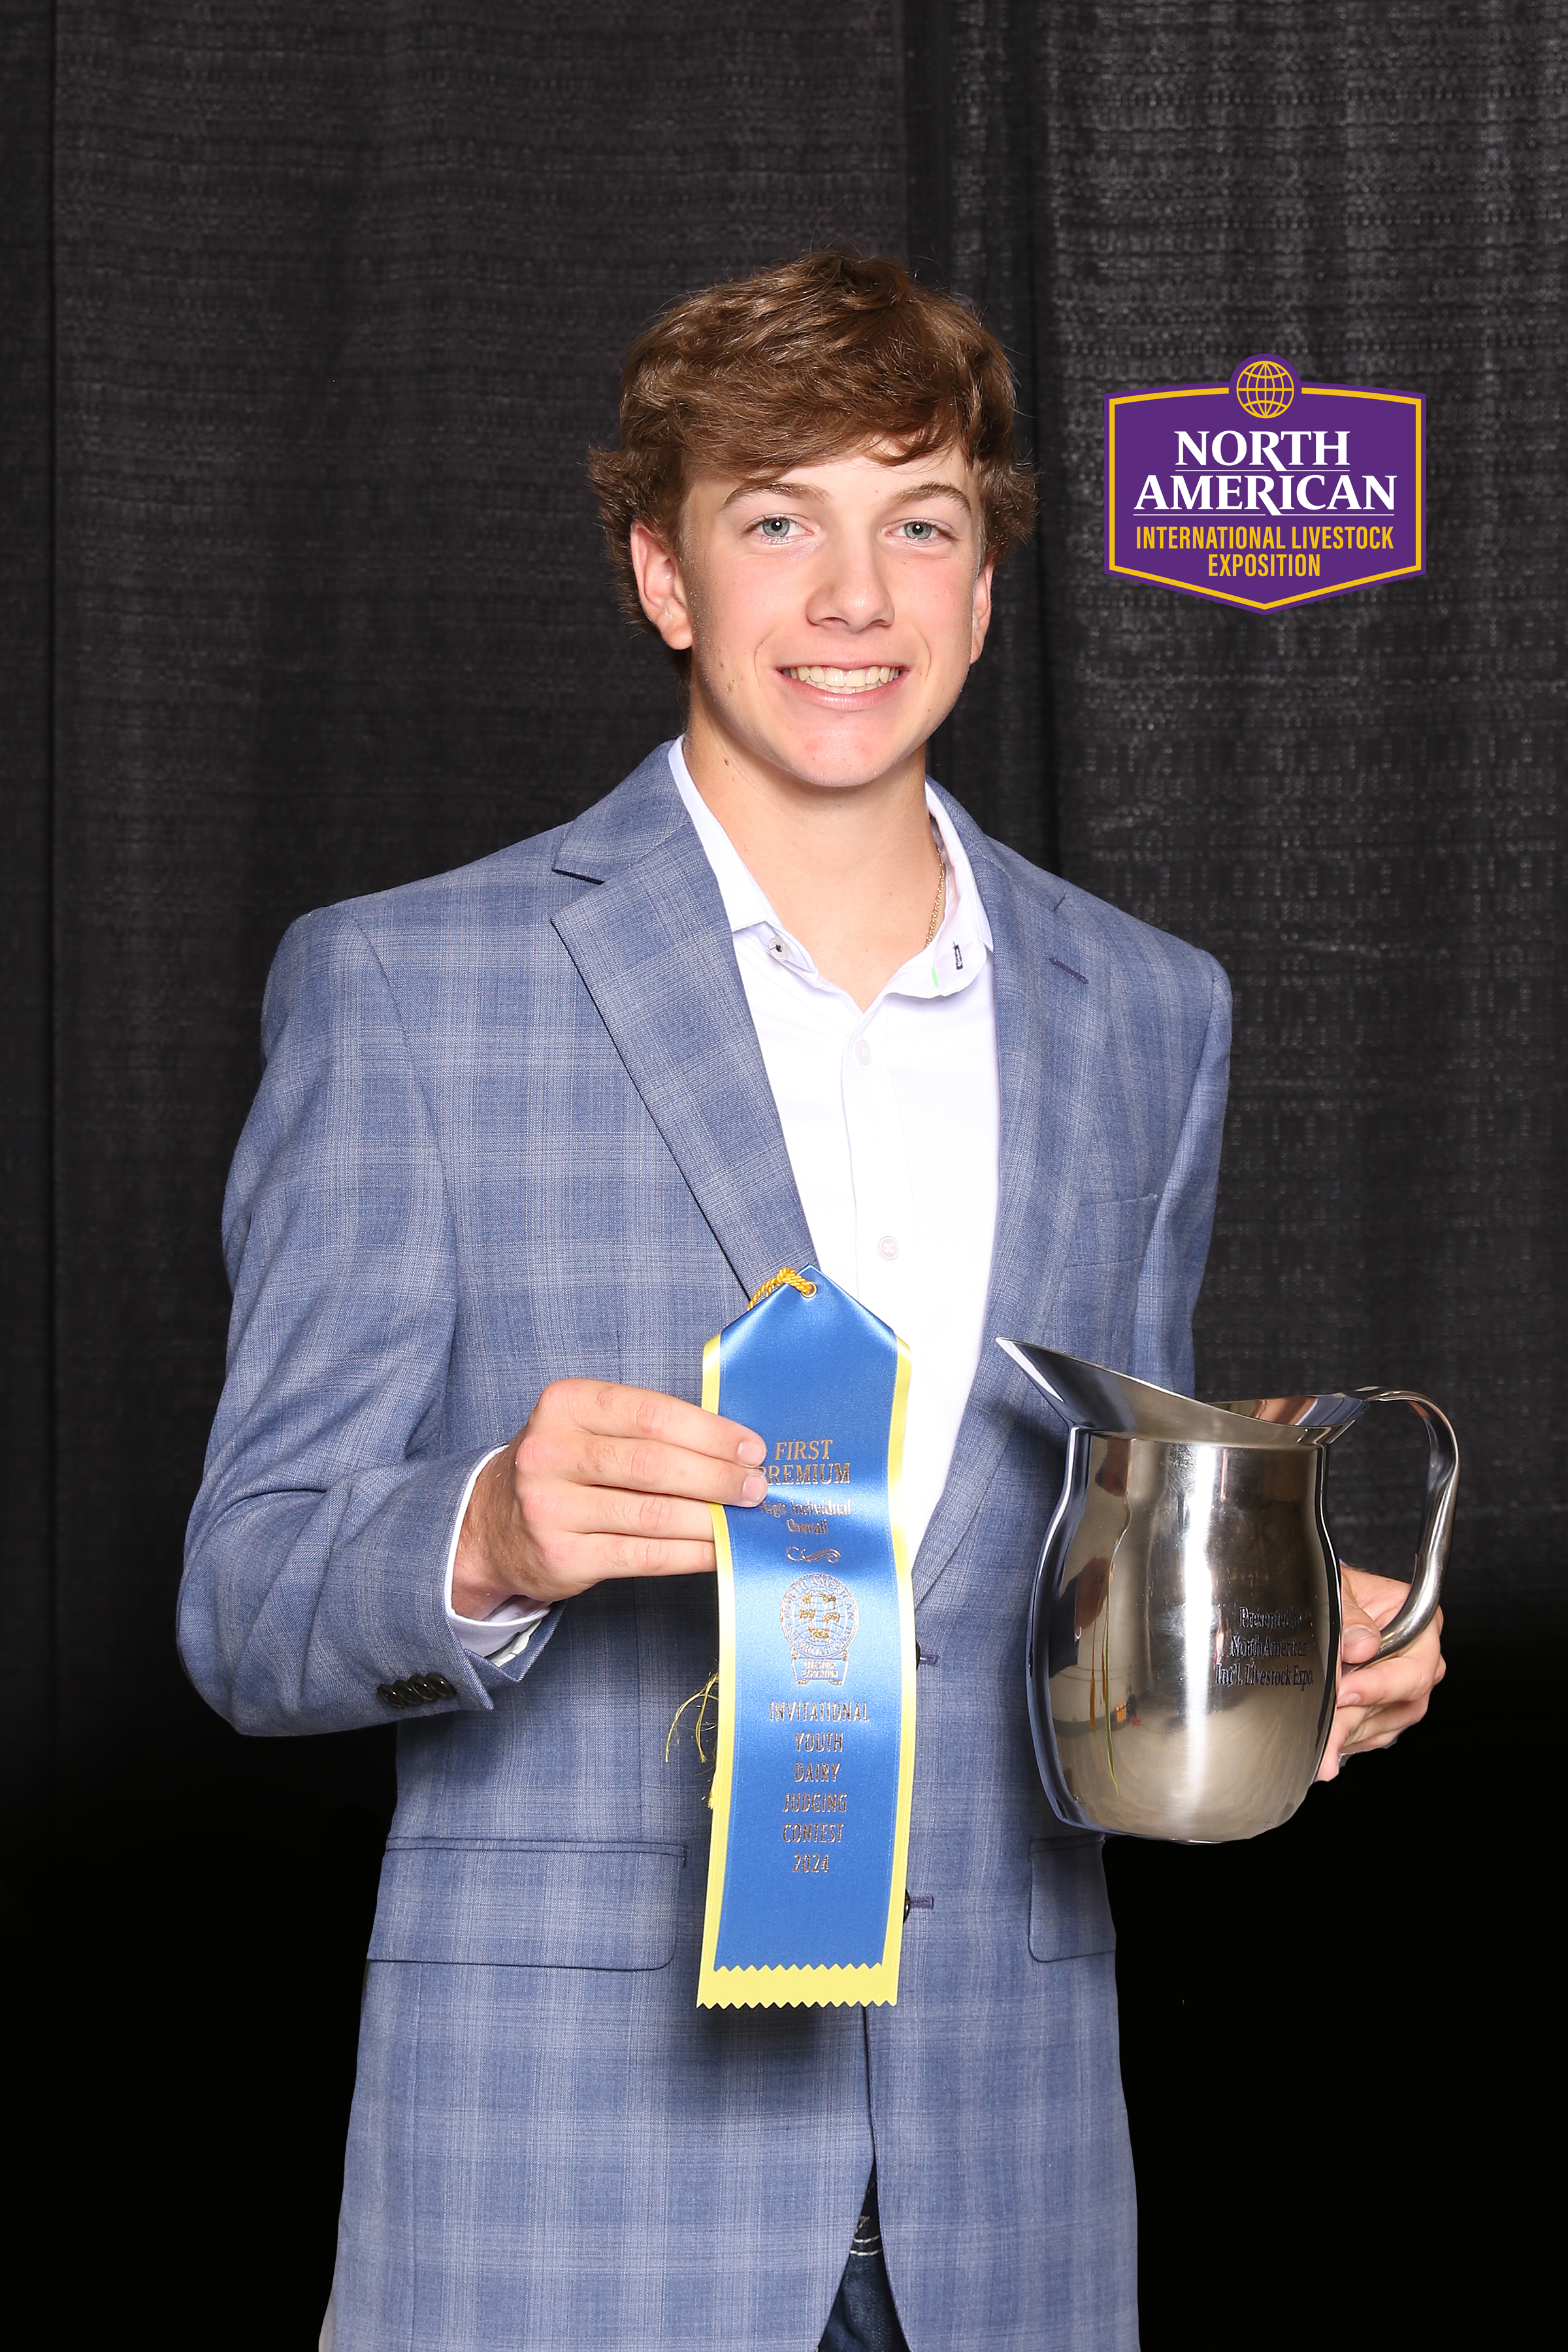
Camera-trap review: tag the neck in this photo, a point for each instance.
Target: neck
(850, 869)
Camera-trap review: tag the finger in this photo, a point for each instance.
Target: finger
(1360, 1632)
(611, 1409)
(1359, 1639)
(1377, 1728)
(1377, 1596)
(1382, 1728)
(1388, 1684)
(1391, 1679)
(567, 1565)
(1352, 1736)
(1362, 1727)
(1400, 1699)
(571, 1510)
(584, 1458)
(603, 1557)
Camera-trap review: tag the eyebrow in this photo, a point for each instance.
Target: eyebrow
(806, 490)
(769, 490)
(940, 490)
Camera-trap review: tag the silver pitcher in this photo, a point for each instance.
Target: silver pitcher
(1184, 1624)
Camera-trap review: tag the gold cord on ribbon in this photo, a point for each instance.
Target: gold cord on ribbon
(777, 1282)
(699, 1699)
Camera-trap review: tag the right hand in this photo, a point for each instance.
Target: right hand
(602, 1481)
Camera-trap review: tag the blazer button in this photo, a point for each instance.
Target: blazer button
(432, 1687)
(388, 1692)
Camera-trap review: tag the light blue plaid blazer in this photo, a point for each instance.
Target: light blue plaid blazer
(515, 1125)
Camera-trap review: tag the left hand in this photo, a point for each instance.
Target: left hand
(1377, 1702)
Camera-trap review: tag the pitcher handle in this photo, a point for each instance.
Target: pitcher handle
(1432, 1553)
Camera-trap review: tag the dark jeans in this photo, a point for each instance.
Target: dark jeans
(863, 2318)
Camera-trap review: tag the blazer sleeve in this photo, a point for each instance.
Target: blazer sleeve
(1173, 1268)
(315, 1556)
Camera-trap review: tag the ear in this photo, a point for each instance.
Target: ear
(981, 620)
(660, 587)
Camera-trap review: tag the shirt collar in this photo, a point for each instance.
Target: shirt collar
(943, 968)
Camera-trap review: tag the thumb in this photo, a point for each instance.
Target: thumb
(1360, 1635)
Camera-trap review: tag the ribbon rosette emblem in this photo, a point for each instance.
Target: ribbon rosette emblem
(819, 1619)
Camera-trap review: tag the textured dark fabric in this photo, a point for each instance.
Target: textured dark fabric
(1356, 805)
(339, 298)
(26, 1422)
(309, 312)
(342, 295)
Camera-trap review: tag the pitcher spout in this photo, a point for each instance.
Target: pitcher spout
(1093, 1396)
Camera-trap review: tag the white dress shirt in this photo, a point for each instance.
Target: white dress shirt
(891, 1118)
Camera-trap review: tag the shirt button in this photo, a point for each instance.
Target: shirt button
(862, 1052)
(888, 1246)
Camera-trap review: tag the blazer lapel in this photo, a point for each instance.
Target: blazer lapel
(653, 947)
(1050, 1022)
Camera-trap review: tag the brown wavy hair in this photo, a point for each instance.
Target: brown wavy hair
(800, 365)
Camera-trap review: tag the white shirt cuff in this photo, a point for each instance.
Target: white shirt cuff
(503, 1634)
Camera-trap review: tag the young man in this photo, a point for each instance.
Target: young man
(529, 1134)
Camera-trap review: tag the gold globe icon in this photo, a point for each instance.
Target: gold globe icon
(1264, 388)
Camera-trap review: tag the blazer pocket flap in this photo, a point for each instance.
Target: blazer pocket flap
(1069, 1911)
(513, 1903)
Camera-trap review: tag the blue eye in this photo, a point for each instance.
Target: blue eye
(920, 531)
(775, 526)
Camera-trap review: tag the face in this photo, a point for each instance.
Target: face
(832, 615)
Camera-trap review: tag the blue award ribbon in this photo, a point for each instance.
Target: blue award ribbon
(817, 1659)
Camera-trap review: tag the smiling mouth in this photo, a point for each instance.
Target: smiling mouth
(846, 681)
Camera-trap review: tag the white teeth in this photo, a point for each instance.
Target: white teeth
(843, 681)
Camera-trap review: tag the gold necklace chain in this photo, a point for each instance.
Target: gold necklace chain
(938, 906)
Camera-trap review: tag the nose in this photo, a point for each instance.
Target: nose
(852, 589)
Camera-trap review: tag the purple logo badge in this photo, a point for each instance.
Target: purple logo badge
(1265, 490)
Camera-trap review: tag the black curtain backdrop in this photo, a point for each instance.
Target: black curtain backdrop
(310, 311)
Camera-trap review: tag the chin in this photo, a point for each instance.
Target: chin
(841, 762)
